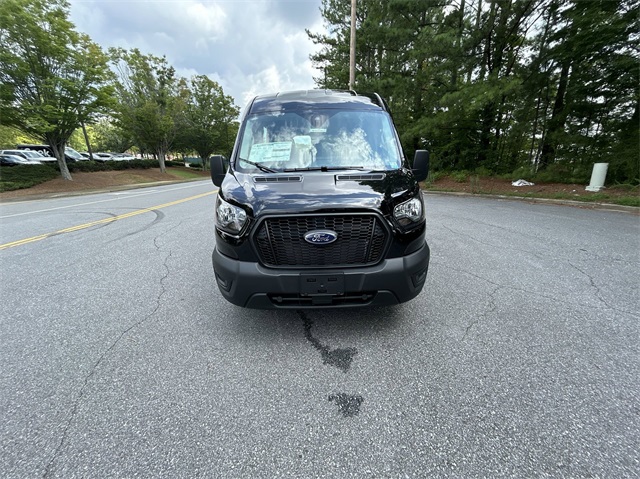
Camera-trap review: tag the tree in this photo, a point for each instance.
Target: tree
(498, 85)
(151, 100)
(109, 137)
(10, 137)
(208, 119)
(595, 69)
(393, 54)
(333, 58)
(52, 78)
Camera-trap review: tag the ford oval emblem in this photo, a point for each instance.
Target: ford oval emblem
(321, 237)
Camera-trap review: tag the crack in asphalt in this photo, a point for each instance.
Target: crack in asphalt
(76, 404)
(598, 291)
(536, 255)
(503, 228)
(561, 300)
(490, 308)
(593, 256)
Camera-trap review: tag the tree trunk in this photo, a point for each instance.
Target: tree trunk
(161, 157)
(64, 169)
(58, 150)
(556, 124)
(458, 43)
(476, 49)
(86, 140)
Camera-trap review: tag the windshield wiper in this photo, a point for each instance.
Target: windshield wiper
(260, 166)
(324, 168)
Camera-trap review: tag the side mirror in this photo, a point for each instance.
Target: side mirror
(421, 165)
(218, 169)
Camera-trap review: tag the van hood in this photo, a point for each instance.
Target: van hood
(312, 192)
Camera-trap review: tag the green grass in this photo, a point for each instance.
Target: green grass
(186, 174)
(600, 198)
(26, 176)
(630, 200)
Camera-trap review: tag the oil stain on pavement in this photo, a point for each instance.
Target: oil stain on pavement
(349, 405)
(340, 358)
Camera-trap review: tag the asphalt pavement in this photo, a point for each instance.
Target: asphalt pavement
(121, 359)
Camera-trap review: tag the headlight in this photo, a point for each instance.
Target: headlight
(408, 212)
(229, 218)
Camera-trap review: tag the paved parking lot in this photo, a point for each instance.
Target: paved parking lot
(121, 359)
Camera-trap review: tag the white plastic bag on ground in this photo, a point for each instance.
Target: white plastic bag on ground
(522, 183)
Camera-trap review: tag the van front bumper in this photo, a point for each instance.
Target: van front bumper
(392, 281)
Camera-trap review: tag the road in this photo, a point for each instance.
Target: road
(121, 359)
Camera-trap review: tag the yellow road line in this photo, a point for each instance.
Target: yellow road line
(100, 222)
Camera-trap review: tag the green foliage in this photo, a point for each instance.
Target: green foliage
(483, 172)
(10, 137)
(186, 175)
(25, 176)
(460, 176)
(496, 86)
(628, 201)
(52, 78)
(207, 124)
(151, 100)
(436, 175)
(109, 136)
(563, 173)
(521, 173)
(90, 166)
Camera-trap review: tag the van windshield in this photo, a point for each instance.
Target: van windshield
(319, 138)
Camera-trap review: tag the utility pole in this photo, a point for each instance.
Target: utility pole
(352, 48)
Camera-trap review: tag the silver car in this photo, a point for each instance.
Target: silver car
(30, 156)
(16, 159)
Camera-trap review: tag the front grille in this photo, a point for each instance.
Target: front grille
(361, 240)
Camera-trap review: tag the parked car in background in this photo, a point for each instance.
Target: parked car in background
(9, 160)
(102, 156)
(70, 154)
(13, 160)
(122, 157)
(35, 156)
(30, 155)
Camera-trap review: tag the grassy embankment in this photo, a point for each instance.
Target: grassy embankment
(21, 177)
(625, 195)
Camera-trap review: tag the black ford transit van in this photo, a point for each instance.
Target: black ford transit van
(319, 207)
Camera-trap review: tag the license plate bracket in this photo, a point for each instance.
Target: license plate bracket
(322, 284)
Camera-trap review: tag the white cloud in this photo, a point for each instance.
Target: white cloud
(248, 46)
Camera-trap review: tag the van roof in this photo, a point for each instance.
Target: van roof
(305, 99)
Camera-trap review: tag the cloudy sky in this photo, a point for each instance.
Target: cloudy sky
(248, 46)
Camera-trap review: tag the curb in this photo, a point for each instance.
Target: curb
(547, 201)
